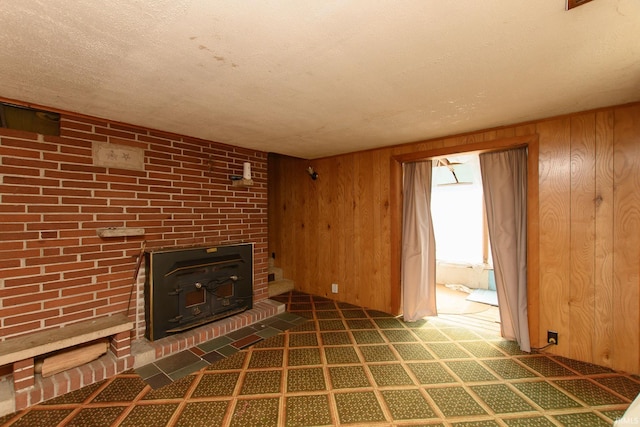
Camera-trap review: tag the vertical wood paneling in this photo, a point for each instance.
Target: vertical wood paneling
(383, 222)
(587, 233)
(626, 293)
(348, 250)
(312, 220)
(364, 227)
(340, 217)
(582, 285)
(327, 217)
(554, 196)
(603, 247)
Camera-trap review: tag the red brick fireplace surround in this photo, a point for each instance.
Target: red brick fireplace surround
(76, 209)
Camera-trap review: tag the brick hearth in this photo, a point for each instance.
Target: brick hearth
(143, 352)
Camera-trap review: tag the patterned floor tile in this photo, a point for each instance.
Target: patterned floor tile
(455, 402)
(307, 411)
(360, 407)
(470, 371)
(304, 356)
(359, 324)
(203, 414)
(501, 399)
(431, 373)
(91, 417)
(261, 382)
(305, 379)
(266, 359)
(621, 385)
(528, 422)
(481, 349)
(335, 338)
(325, 305)
(354, 314)
(121, 389)
(430, 335)
(300, 306)
(304, 327)
(331, 314)
(347, 306)
(546, 396)
(480, 423)
(510, 347)
(613, 415)
(149, 415)
(460, 334)
(377, 353)
(176, 390)
(583, 367)
(420, 323)
(509, 369)
(348, 377)
(581, 420)
(390, 375)
(303, 340)
(331, 325)
(256, 413)
(367, 337)
(546, 366)
(318, 377)
(399, 335)
(388, 323)
(588, 392)
(448, 350)
(413, 352)
(341, 355)
(271, 342)
(216, 384)
(379, 314)
(407, 404)
(306, 314)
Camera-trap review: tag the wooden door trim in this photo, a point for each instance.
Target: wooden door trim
(533, 267)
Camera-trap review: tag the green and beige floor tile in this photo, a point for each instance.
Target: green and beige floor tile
(326, 363)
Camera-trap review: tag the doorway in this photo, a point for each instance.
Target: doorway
(532, 228)
(465, 283)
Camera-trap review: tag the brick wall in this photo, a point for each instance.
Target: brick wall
(55, 269)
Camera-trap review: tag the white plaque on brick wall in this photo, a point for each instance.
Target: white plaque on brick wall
(117, 156)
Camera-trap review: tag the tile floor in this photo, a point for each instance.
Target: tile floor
(164, 371)
(347, 365)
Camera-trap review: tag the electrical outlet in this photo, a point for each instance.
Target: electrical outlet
(334, 288)
(552, 337)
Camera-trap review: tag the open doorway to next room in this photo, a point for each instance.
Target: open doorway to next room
(465, 281)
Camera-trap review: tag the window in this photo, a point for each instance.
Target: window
(29, 119)
(457, 209)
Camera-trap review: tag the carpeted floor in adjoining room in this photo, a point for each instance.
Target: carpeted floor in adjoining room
(351, 366)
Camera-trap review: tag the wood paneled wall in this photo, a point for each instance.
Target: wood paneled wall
(337, 229)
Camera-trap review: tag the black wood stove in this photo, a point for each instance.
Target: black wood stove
(186, 288)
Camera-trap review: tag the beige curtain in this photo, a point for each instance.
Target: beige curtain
(504, 180)
(418, 244)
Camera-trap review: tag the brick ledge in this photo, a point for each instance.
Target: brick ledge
(143, 352)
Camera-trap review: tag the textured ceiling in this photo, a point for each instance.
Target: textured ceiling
(317, 78)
